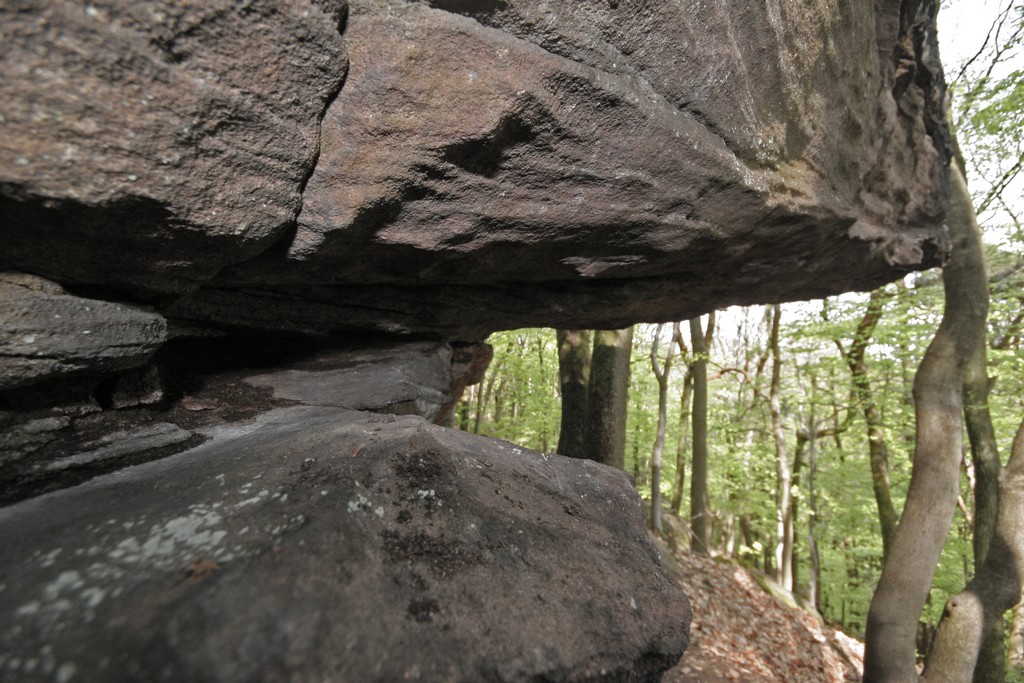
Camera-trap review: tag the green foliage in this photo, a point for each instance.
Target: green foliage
(518, 397)
(988, 117)
(518, 401)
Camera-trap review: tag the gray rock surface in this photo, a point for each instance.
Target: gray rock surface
(51, 446)
(46, 333)
(355, 547)
(399, 379)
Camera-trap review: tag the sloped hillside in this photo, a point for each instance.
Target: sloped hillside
(741, 633)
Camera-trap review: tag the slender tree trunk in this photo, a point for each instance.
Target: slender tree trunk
(934, 484)
(661, 373)
(878, 449)
(969, 615)
(794, 507)
(1015, 654)
(783, 476)
(684, 419)
(814, 581)
(573, 375)
(607, 395)
(991, 667)
(685, 402)
(700, 512)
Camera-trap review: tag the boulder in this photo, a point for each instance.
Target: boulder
(485, 165)
(316, 543)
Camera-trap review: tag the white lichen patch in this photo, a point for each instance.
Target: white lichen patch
(258, 498)
(360, 503)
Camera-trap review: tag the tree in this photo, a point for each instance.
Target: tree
(700, 509)
(878, 449)
(607, 394)
(661, 373)
(934, 486)
(574, 377)
(783, 476)
(972, 614)
(682, 445)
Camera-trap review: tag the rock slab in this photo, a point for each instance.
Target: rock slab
(451, 168)
(45, 333)
(356, 547)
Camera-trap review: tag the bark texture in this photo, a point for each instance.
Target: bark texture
(700, 508)
(934, 486)
(607, 395)
(784, 534)
(661, 371)
(971, 615)
(573, 377)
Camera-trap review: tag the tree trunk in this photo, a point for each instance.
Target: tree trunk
(783, 476)
(573, 376)
(685, 402)
(814, 582)
(1015, 654)
(607, 394)
(991, 667)
(684, 420)
(700, 512)
(661, 373)
(934, 484)
(878, 450)
(969, 615)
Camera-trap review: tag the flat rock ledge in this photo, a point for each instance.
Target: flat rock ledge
(315, 543)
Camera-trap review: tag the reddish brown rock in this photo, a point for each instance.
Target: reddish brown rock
(486, 164)
(595, 164)
(145, 145)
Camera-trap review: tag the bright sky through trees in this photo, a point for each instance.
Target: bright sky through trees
(971, 30)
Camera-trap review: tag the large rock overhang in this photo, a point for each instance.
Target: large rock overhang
(482, 165)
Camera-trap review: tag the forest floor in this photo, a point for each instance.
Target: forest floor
(740, 632)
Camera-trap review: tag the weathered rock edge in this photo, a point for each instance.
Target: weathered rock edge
(356, 547)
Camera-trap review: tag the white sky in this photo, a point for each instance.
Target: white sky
(962, 28)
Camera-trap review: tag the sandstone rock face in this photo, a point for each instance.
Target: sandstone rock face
(48, 334)
(147, 144)
(48, 441)
(485, 165)
(357, 547)
(599, 164)
(298, 174)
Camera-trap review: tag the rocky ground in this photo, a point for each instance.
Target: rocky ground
(741, 633)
